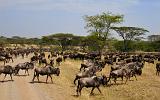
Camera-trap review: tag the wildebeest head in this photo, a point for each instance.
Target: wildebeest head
(138, 71)
(30, 65)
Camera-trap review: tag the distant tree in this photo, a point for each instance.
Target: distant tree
(154, 38)
(129, 33)
(62, 39)
(3, 41)
(100, 25)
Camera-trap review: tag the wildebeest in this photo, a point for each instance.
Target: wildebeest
(47, 70)
(34, 58)
(43, 60)
(86, 64)
(8, 58)
(86, 73)
(51, 61)
(93, 82)
(3, 59)
(24, 66)
(128, 70)
(157, 69)
(58, 60)
(118, 73)
(7, 70)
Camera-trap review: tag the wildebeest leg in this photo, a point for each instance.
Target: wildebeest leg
(33, 78)
(115, 78)
(92, 90)
(12, 59)
(17, 73)
(126, 79)
(51, 78)
(80, 90)
(99, 90)
(27, 72)
(77, 89)
(122, 78)
(11, 77)
(75, 80)
(46, 78)
(80, 68)
(4, 77)
(4, 62)
(135, 76)
(38, 77)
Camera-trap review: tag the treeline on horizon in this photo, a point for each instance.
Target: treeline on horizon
(83, 41)
(100, 27)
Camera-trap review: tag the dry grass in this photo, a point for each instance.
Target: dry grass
(147, 87)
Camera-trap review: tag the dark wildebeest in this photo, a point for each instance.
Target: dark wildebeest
(118, 73)
(8, 58)
(51, 61)
(24, 66)
(65, 57)
(43, 61)
(89, 72)
(47, 70)
(58, 60)
(7, 70)
(34, 58)
(86, 64)
(3, 59)
(93, 82)
(128, 70)
(157, 69)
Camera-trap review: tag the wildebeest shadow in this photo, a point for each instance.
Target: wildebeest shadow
(75, 95)
(73, 85)
(94, 94)
(7, 81)
(21, 75)
(40, 82)
(114, 84)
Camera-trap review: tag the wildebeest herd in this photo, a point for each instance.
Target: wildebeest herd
(122, 65)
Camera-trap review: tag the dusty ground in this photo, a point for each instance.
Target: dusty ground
(146, 88)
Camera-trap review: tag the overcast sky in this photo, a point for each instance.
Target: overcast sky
(35, 18)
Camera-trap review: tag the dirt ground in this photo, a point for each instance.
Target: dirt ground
(147, 87)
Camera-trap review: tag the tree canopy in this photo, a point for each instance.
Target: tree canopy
(100, 25)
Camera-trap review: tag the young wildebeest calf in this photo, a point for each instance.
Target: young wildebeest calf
(48, 70)
(7, 70)
(93, 82)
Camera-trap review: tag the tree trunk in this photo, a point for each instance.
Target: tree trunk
(125, 45)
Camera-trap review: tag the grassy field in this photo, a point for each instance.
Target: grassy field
(147, 87)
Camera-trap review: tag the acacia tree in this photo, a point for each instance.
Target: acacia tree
(62, 39)
(100, 26)
(129, 34)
